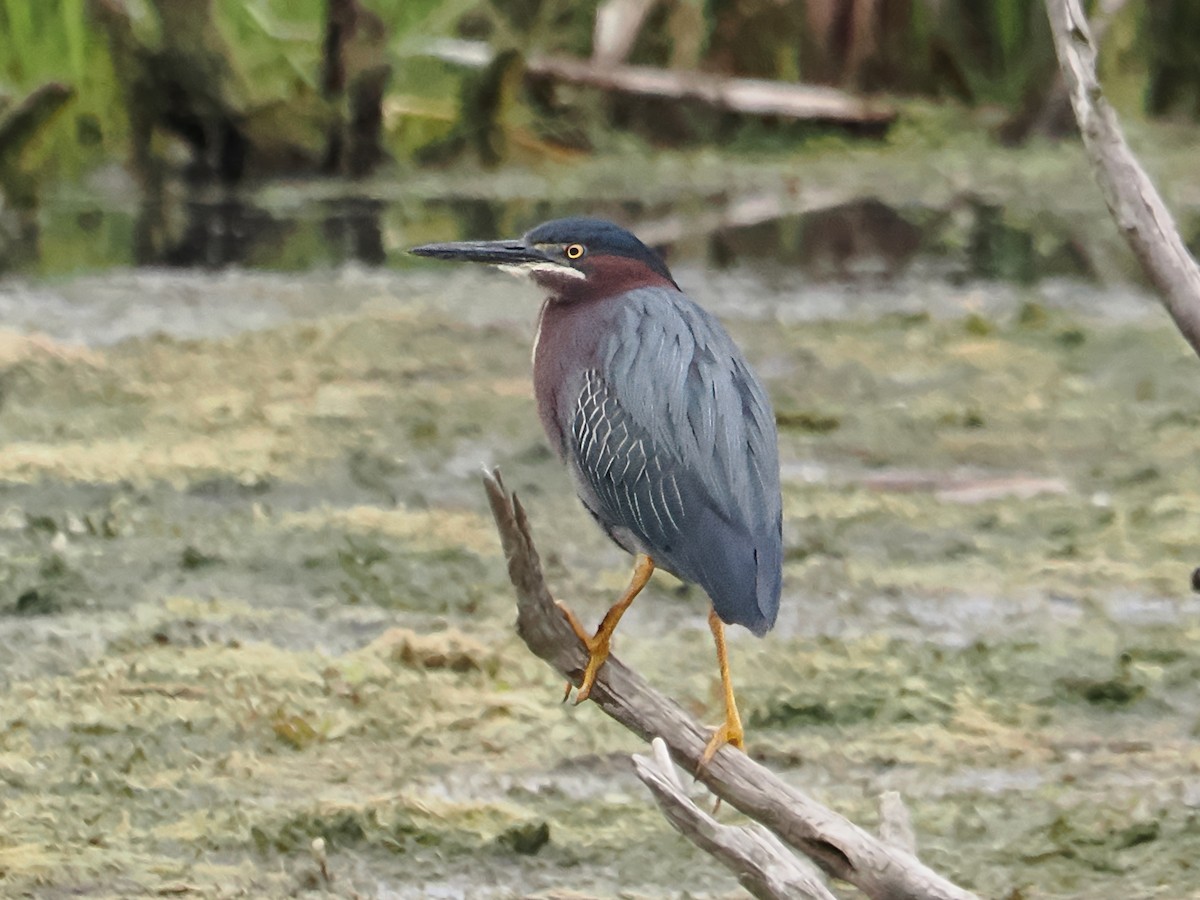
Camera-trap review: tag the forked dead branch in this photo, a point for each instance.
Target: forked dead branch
(1139, 211)
(840, 848)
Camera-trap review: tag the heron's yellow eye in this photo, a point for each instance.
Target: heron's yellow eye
(574, 251)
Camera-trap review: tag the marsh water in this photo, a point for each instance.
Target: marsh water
(251, 595)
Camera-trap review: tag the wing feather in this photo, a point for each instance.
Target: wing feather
(688, 462)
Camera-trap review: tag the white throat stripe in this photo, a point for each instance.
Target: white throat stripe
(529, 268)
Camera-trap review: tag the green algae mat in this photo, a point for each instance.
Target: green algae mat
(251, 599)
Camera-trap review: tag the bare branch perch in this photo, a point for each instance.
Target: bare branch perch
(1135, 205)
(763, 866)
(838, 846)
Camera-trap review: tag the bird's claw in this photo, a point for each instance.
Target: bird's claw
(597, 654)
(585, 686)
(597, 647)
(730, 733)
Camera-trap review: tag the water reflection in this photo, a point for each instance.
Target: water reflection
(843, 242)
(353, 230)
(213, 235)
(860, 239)
(867, 239)
(216, 234)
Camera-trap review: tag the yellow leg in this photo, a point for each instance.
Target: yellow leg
(731, 732)
(598, 644)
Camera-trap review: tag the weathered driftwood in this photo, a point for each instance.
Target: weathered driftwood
(1051, 114)
(1131, 197)
(841, 848)
(762, 864)
(749, 96)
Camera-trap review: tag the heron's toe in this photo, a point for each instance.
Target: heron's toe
(576, 625)
(597, 654)
(730, 733)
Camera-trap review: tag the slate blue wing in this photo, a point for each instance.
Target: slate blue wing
(674, 442)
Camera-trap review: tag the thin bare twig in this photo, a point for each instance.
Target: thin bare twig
(841, 848)
(895, 824)
(1131, 197)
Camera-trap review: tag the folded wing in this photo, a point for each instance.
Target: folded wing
(674, 440)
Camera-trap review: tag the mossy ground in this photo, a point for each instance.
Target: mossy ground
(251, 596)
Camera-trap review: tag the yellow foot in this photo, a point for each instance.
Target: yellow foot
(597, 645)
(597, 654)
(730, 733)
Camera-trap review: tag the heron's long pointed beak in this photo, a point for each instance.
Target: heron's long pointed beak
(501, 253)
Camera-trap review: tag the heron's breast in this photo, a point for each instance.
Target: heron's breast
(566, 346)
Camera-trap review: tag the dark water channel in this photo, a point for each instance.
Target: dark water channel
(968, 239)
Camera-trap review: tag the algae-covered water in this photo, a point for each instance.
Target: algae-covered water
(250, 595)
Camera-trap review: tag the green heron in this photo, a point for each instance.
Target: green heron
(667, 433)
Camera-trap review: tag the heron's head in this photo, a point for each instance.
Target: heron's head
(572, 258)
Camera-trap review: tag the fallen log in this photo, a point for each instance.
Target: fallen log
(747, 96)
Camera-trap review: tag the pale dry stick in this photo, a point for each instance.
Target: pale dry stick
(618, 23)
(321, 858)
(1058, 98)
(895, 824)
(763, 866)
(842, 849)
(746, 96)
(1139, 212)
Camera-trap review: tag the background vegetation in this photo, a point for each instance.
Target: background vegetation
(996, 54)
(249, 592)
